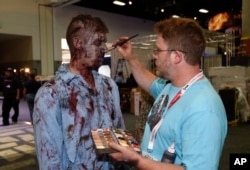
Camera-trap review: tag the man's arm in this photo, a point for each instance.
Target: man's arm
(131, 157)
(47, 131)
(18, 94)
(142, 76)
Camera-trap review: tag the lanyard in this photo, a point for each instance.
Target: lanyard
(173, 101)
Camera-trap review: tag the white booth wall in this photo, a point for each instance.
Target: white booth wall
(47, 26)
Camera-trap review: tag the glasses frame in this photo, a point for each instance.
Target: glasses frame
(157, 51)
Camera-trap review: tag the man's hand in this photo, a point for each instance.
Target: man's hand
(125, 49)
(128, 155)
(124, 154)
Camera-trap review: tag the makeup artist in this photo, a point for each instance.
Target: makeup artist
(76, 100)
(187, 125)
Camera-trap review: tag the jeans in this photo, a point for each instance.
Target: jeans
(8, 103)
(30, 101)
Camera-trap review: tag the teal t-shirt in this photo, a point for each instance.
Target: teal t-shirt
(196, 124)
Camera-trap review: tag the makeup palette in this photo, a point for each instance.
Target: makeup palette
(102, 138)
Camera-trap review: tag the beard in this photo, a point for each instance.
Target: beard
(163, 70)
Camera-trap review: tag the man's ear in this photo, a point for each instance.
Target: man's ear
(77, 43)
(178, 57)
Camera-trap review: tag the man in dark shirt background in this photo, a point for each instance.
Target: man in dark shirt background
(10, 86)
(29, 91)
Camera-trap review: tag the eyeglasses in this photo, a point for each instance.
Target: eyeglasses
(156, 51)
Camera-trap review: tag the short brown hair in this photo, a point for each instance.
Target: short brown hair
(185, 35)
(84, 22)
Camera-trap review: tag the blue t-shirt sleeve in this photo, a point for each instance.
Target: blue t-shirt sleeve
(157, 86)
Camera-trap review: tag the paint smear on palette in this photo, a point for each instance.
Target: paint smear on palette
(102, 137)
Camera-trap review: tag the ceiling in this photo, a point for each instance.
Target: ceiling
(150, 9)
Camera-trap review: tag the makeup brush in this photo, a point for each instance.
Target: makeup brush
(123, 42)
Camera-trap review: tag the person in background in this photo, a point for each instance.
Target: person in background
(131, 81)
(119, 78)
(10, 86)
(77, 100)
(23, 77)
(188, 119)
(30, 88)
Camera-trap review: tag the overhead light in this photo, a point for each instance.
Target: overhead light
(175, 16)
(144, 48)
(26, 70)
(130, 2)
(120, 3)
(203, 11)
(145, 44)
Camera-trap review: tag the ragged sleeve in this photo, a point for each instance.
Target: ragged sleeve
(47, 132)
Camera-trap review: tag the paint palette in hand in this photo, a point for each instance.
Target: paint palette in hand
(102, 137)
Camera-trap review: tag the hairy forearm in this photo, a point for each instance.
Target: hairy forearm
(142, 76)
(131, 157)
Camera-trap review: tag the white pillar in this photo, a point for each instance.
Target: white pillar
(46, 38)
